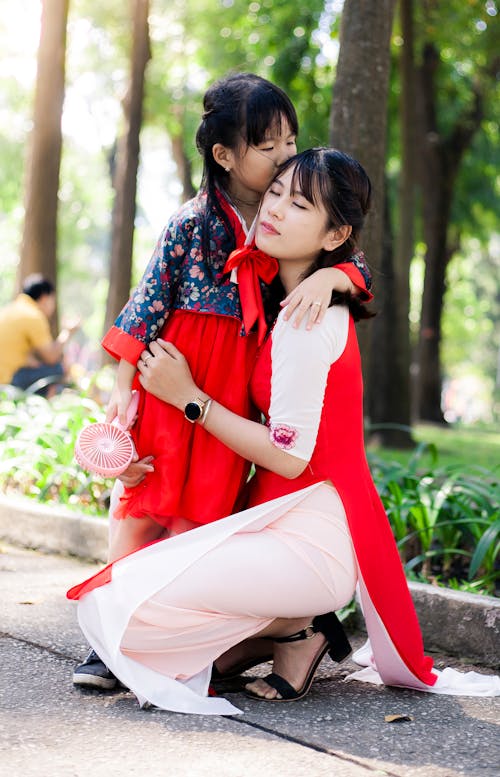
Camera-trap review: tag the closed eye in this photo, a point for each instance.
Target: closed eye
(302, 202)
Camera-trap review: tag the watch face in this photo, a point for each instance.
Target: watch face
(192, 411)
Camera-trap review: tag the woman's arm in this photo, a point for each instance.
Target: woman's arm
(301, 362)
(168, 377)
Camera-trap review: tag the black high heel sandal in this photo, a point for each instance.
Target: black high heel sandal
(238, 669)
(337, 646)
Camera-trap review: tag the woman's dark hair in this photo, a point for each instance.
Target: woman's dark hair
(36, 286)
(333, 179)
(238, 108)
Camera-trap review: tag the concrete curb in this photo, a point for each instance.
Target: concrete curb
(459, 624)
(52, 529)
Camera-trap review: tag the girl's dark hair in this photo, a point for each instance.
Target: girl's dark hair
(328, 177)
(238, 108)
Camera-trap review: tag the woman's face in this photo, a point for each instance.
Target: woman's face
(289, 227)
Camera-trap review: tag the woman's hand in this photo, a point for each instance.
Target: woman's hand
(313, 295)
(165, 373)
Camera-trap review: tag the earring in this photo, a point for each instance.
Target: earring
(226, 169)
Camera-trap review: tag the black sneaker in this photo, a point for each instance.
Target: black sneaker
(94, 673)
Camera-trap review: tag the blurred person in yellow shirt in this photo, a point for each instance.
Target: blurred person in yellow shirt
(28, 352)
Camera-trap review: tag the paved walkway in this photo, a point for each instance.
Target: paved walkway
(50, 729)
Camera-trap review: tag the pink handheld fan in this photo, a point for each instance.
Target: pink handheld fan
(107, 449)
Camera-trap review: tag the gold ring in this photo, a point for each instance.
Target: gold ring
(146, 357)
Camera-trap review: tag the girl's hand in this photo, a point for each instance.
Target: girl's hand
(121, 395)
(165, 373)
(136, 471)
(118, 405)
(313, 295)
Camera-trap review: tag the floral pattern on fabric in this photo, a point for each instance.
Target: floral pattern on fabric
(179, 277)
(359, 260)
(283, 436)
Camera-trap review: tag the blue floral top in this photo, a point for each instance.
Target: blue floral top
(179, 277)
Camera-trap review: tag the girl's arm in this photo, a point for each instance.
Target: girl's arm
(122, 392)
(286, 445)
(313, 295)
(145, 313)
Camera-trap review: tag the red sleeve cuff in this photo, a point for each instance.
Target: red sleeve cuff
(356, 277)
(121, 345)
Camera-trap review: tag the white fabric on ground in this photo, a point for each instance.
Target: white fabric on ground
(284, 577)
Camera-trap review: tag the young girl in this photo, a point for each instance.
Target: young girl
(161, 616)
(188, 296)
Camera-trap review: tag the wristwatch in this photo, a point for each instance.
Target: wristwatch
(196, 409)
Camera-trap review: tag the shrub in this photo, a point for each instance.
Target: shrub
(446, 521)
(37, 440)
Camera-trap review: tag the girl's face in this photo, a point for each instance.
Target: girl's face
(254, 166)
(291, 228)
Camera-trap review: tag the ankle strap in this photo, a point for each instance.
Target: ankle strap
(308, 633)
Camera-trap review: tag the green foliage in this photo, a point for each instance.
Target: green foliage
(37, 440)
(446, 521)
(465, 38)
(471, 317)
(195, 43)
(465, 35)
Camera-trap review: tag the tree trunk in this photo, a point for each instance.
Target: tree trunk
(441, 158)
(383, 337)
(359, 116)
(436, 211)
(38, 251)
(184, 168)
(390, 380)
(127, 163)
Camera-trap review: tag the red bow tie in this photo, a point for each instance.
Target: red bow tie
(252, 264)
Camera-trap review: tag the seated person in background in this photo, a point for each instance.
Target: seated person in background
(27, 350)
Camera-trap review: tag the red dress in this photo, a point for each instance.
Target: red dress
(339, 457)
(187, 460)
(195, 476)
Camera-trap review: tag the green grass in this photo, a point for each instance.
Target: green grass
(455, 445)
